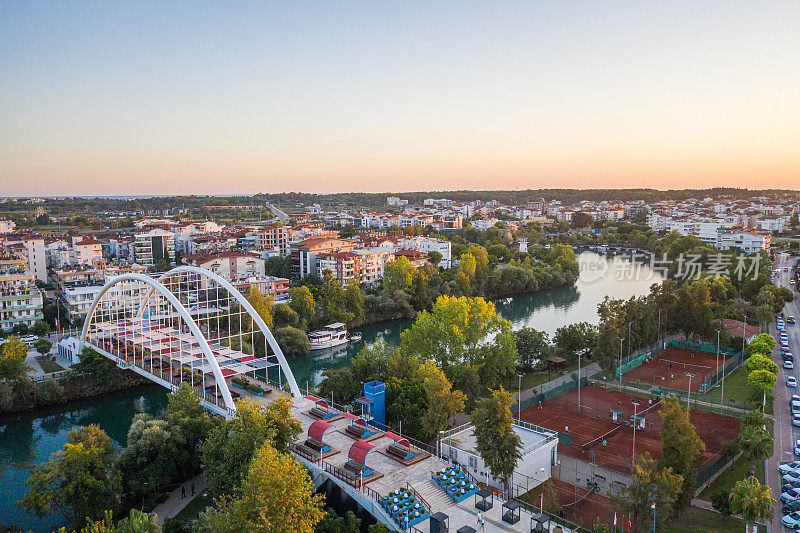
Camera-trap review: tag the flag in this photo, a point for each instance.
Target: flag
(629, 525)
(615, 518)
(56, 323)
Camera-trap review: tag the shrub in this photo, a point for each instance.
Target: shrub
(721, 502)
(50, 391)
(255, 388)
(239, 381)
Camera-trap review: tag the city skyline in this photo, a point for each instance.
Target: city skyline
(213, 99)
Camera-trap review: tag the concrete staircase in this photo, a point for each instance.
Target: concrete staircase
(434, 495)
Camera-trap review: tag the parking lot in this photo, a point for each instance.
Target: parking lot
(786, 434)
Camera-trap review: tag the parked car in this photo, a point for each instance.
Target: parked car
(788, 364)
(796, 419)
(791, 381)
(791, 519)
(791, 466)
(790, 319)
(790, 485)
(790, 506)
(30, 340)
(790, 495)
(788, 355)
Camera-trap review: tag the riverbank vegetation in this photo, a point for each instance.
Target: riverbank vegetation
(259, 485)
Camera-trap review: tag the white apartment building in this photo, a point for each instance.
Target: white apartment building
(86, 251)
(427, 245)
(154, 245)
(185, 232)
(59, 254)
(20, 299)
(747, 241)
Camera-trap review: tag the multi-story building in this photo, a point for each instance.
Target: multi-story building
(86, 251)
(304, 253)
(271, 286)
(230, 265)
(745, 240)
(20, 299)
(273, 238)
(427, 245)
(77, 287)
(153, 246)
(415, 257)
(344, 267)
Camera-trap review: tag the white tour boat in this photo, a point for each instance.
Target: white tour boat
(355, 337)
(329, 336)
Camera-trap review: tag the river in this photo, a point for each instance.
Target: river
(29, 438)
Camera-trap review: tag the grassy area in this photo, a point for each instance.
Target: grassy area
(534, 379)
(194, 507)
(696, 520)
(48, 365)
(737, 471)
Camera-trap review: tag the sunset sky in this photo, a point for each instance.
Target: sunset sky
(233, 97)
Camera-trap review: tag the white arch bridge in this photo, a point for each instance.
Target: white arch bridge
(188, 325)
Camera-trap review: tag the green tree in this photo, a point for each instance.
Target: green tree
(354, 299)
(532, 346)
(229, 447)
(78, 481)
(302, 302)
(650, 483)
(12, 361)
(188, 424)
(100, 368)
(139, 522)
(277, 496)
(681, 446)
(761, 383)
(333, 523)
(443, 402)
(581, 220)
(573, 338)
(759, 362)
(757, 443)
(752, 500)
(467, 265)
(147, 456)
(293, 341)
(435, 257)
(453, 331)
(43, 346)
(40, 328)
(496, 441)
(397, 274)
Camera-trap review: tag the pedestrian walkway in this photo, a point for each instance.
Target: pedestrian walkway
(179, 498)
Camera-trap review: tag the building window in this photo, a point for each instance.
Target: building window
(453, 454)
(473, 462)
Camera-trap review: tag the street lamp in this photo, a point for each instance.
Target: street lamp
(653, 507)
(620, 361)
(519, 398)
(689, 395)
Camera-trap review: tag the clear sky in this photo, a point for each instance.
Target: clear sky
(228, 97)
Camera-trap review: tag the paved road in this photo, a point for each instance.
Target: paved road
(785, 433)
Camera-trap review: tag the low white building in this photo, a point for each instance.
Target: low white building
(535, 466)
(427, 245)
(746, 241)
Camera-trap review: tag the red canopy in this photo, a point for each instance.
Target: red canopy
(312, 398)
(317, 429)
(245, 359)
(226, 372)
(322, 404)
(398, 439)
(355, 419)
(358, 452)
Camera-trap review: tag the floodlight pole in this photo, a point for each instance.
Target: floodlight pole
(689, 395)
(633, 453)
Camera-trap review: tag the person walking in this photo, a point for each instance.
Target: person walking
(183, 492)
(480, 518)
(192, 488)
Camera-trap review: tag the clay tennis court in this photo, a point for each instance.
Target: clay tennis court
(592, 423)
(670, 367)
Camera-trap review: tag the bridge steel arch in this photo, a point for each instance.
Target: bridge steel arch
(184, 314)
(241, 300)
